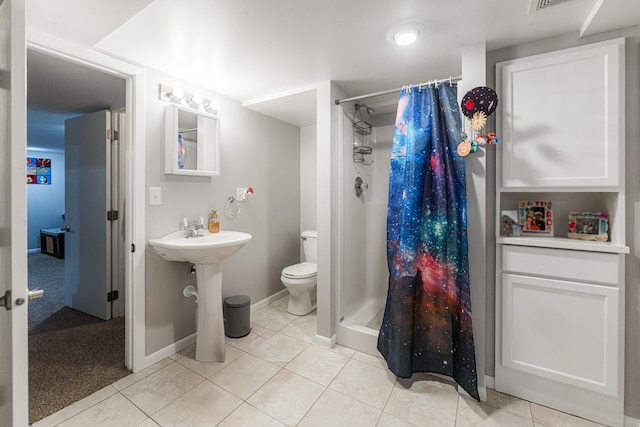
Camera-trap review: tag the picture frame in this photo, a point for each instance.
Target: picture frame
(589, 226)
(536, 217)
(509, 226)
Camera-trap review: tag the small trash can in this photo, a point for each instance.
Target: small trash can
(237, 316)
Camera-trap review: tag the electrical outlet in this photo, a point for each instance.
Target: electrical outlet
(241, 194)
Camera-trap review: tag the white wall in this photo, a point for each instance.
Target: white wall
(308, 178)
(632, 104)
(45, 203)
(256, 151)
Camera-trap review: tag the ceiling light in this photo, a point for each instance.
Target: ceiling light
(406, 37)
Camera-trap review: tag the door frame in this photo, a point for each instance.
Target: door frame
(135, 84)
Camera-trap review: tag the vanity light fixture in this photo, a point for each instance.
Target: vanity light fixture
(406, 36)
(192, 100)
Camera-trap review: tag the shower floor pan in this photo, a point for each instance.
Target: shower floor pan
(360, 329)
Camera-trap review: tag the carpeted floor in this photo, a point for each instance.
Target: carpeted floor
(71, 354)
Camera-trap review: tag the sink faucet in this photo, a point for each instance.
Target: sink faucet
(192, 230)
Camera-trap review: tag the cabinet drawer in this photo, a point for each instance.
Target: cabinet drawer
(584, 266)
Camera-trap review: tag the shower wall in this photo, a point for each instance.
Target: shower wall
(364, 262)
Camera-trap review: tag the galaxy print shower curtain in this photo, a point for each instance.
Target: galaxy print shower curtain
(427, 320)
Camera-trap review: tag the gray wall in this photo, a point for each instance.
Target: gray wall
(632, 309)
(256, 151)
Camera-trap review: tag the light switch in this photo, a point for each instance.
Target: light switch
(155, 196)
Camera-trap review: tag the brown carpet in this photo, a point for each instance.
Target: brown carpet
(71, 354)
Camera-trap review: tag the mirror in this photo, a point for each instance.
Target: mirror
(191, 142)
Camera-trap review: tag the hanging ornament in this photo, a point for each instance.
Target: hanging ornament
(478, 99)
(478, 120)
(464, 148)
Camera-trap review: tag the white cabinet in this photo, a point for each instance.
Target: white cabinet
(562, 118)
(559, 301)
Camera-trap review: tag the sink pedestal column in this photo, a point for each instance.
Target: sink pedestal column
(210, 341)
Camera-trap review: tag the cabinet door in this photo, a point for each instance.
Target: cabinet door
(562, 118)
(561, 330)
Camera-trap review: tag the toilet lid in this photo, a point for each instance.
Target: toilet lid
(302, 270)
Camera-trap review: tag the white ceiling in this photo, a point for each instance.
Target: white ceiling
(251, 49)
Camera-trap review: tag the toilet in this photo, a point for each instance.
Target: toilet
(300, 279)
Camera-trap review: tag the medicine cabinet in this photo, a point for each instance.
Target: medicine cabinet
(192, 143)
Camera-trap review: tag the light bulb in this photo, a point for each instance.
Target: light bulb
(177, 92)
(406, 37)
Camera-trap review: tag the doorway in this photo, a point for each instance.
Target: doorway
(71, 353)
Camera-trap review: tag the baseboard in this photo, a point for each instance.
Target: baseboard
(268, 300)
(325, 342)
(631, 422)
(169, 350)
(490, 382)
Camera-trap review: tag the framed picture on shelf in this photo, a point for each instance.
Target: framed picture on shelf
(536, 217)
(509, 223)
(589, 226)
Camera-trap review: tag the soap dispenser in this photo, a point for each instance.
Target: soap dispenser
(214, 224)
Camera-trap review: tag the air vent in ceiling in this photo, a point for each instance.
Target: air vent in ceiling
(542, 4)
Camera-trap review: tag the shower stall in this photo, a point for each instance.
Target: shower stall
(366, 138)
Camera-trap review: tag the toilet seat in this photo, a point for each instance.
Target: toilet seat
(300, 271)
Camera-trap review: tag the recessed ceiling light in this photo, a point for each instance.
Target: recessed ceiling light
(406, 37)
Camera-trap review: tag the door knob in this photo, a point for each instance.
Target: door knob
(36, 293)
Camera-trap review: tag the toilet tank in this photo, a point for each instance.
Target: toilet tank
(310, 245)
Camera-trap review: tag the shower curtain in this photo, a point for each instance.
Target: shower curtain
(427, 319)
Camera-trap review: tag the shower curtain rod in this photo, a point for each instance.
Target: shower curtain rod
(386, 92)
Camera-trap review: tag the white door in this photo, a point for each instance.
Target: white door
(87, 266)
(13, 228)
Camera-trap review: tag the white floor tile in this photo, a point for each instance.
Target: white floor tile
(552, 418)
(272, 318)
(377, 361)
(281, 304)
(257, 336)
(161, 388)
(279, 349)
(206, 404)
(365, 383)
(388, 420)
(424, 400)
(130, 379)
(113, 411)
(304, 328)
(337, 410)
(510, 404)
(318, 364)
(286, 397)
(206, 369)
(248, 416)
(244, 376)
(471, 414)
(148, 423)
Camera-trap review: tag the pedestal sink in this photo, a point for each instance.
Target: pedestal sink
(207, 252)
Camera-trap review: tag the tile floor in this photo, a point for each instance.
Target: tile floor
(277, 376)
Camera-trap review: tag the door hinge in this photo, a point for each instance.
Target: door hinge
(112, 215)
(5, 300)
(112, 296)
(112, 135)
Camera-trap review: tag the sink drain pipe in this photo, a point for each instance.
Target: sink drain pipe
(190, 291)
